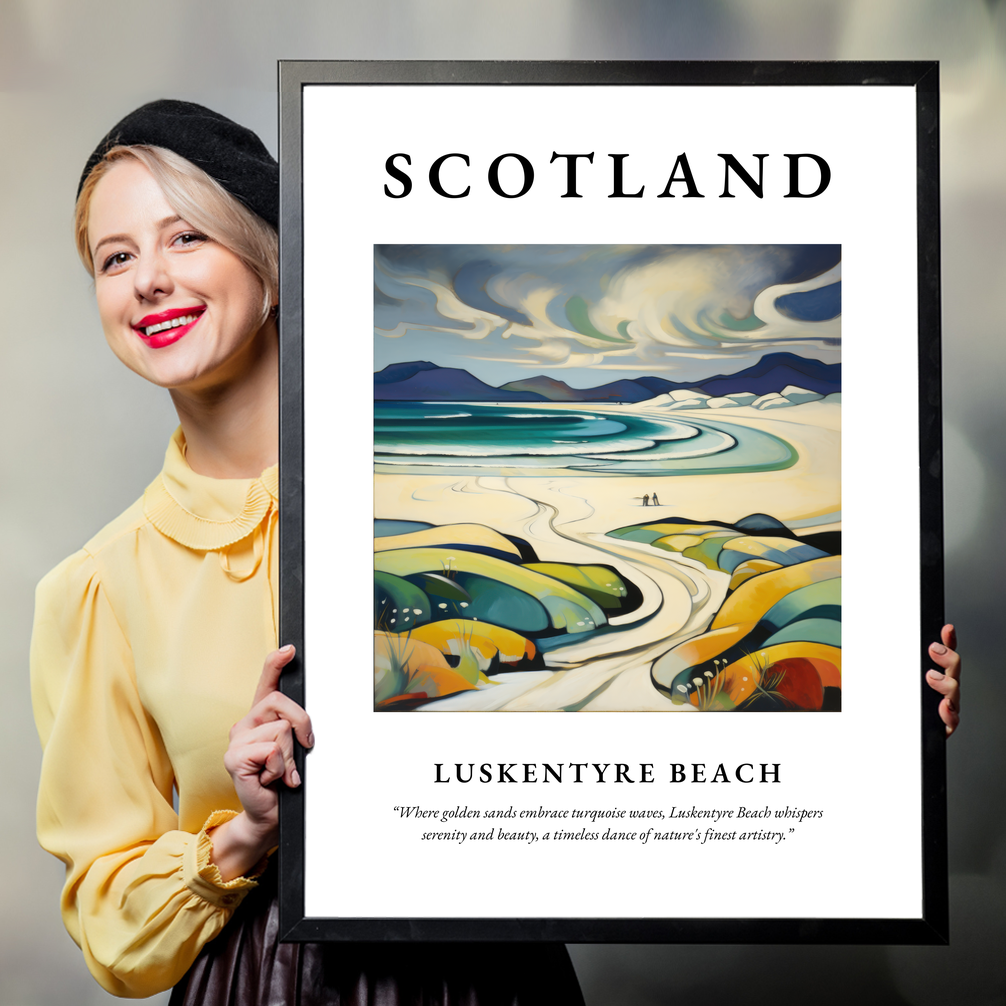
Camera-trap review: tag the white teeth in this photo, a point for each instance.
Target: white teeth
(173, 323)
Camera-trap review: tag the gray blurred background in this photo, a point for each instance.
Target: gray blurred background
(82, 436)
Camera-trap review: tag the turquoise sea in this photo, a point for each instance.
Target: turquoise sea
(457, 438)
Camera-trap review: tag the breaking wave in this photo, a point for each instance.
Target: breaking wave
(413, 436)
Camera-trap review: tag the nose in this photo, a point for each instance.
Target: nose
(152, 276)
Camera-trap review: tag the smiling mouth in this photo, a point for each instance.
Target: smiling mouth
(167, 324)
(167, 327)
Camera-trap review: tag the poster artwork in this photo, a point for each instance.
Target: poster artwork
(607, 478)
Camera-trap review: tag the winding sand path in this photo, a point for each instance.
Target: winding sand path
(566, 517)
(606, 670)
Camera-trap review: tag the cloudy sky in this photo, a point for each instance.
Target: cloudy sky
(589, 314)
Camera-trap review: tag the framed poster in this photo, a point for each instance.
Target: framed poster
(624, 404)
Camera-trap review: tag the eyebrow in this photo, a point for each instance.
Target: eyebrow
(111, 238)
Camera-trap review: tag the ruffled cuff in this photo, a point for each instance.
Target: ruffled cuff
(202, 876)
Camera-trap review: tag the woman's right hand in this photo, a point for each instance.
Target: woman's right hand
(259, 755)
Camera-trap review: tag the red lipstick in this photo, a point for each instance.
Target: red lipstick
(165, 324)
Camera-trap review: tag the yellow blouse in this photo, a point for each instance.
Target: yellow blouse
(147, 647)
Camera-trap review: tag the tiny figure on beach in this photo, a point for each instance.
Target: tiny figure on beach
(656, 502)
(646, 500)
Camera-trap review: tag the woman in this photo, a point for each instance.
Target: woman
(148, 643)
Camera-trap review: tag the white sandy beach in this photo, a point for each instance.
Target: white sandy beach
(566, 517)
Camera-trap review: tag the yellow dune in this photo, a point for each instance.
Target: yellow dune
(755, 596)
(752, 567)
(487, 639)
(449, 534)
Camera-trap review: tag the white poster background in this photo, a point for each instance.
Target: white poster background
(861, 766)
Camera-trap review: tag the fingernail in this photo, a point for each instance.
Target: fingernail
(938, 648)
(287, 649)
(310, 740)
(295, 777)
(936, 675)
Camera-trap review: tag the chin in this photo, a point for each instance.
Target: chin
(190, 364)
(170, 375)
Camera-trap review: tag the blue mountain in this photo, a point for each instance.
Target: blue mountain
(773, 372)
(424, 381)
(394, 372)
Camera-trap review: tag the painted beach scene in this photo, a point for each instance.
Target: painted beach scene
(607, 478)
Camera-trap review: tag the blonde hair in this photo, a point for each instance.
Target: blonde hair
(199, 200)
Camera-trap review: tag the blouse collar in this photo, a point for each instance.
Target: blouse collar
(204, 513)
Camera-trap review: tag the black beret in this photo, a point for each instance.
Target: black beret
(230, 154)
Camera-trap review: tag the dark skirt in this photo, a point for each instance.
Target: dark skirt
(246, 965)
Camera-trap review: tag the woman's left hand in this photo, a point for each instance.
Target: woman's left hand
(259, 756)
(948, 681)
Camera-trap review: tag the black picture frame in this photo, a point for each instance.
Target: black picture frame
(931, 926)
